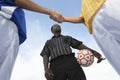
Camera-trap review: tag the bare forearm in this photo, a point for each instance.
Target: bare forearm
(74, 19)
(29, 5)
(82, 46)
(46, 62)
(95, 53)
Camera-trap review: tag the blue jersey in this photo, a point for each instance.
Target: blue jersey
(9, 10)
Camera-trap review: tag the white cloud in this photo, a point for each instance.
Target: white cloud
(29, 70)
(101, 71)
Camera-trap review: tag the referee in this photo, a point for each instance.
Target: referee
(63, 65)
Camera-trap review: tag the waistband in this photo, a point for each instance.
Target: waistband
(63, 57)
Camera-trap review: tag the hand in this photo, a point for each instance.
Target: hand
(99, 60)
(56, 17)
(98, 56)
(49, 74)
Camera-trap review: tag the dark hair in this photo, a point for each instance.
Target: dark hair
(57, 25)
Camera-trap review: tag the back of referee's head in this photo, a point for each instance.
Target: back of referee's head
(56, 29)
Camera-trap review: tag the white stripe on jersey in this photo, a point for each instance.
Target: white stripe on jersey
(7, 11)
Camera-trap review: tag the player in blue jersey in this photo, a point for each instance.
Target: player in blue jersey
(13, 31)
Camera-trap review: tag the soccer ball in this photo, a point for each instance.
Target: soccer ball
(85, 57)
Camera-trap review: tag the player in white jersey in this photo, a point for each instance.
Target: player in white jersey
(13, 31)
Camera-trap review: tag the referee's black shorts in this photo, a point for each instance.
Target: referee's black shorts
(67, 68)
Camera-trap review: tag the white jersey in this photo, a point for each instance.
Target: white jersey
(106, 31)
(9, 10)
(12, 34)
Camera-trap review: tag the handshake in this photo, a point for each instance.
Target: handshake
(56, 16)
(59, 18)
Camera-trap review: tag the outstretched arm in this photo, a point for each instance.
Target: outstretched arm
(30, 5)
(68, 19)
(73, 19)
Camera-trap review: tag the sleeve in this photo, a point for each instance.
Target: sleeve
(10, 2)
(45, 50)
(81, 15)
(74, 43)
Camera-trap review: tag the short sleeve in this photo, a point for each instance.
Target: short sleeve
(81, 15)
(10, 2)
(45, 50)
(74, 43)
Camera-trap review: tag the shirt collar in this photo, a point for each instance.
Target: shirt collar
(57, 36)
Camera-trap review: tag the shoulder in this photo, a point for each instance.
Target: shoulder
(48, 41)
(10, 2)
(66, 36)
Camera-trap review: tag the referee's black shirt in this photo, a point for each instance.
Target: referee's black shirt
(60, 45)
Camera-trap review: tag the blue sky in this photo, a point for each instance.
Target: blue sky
(29, 64)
